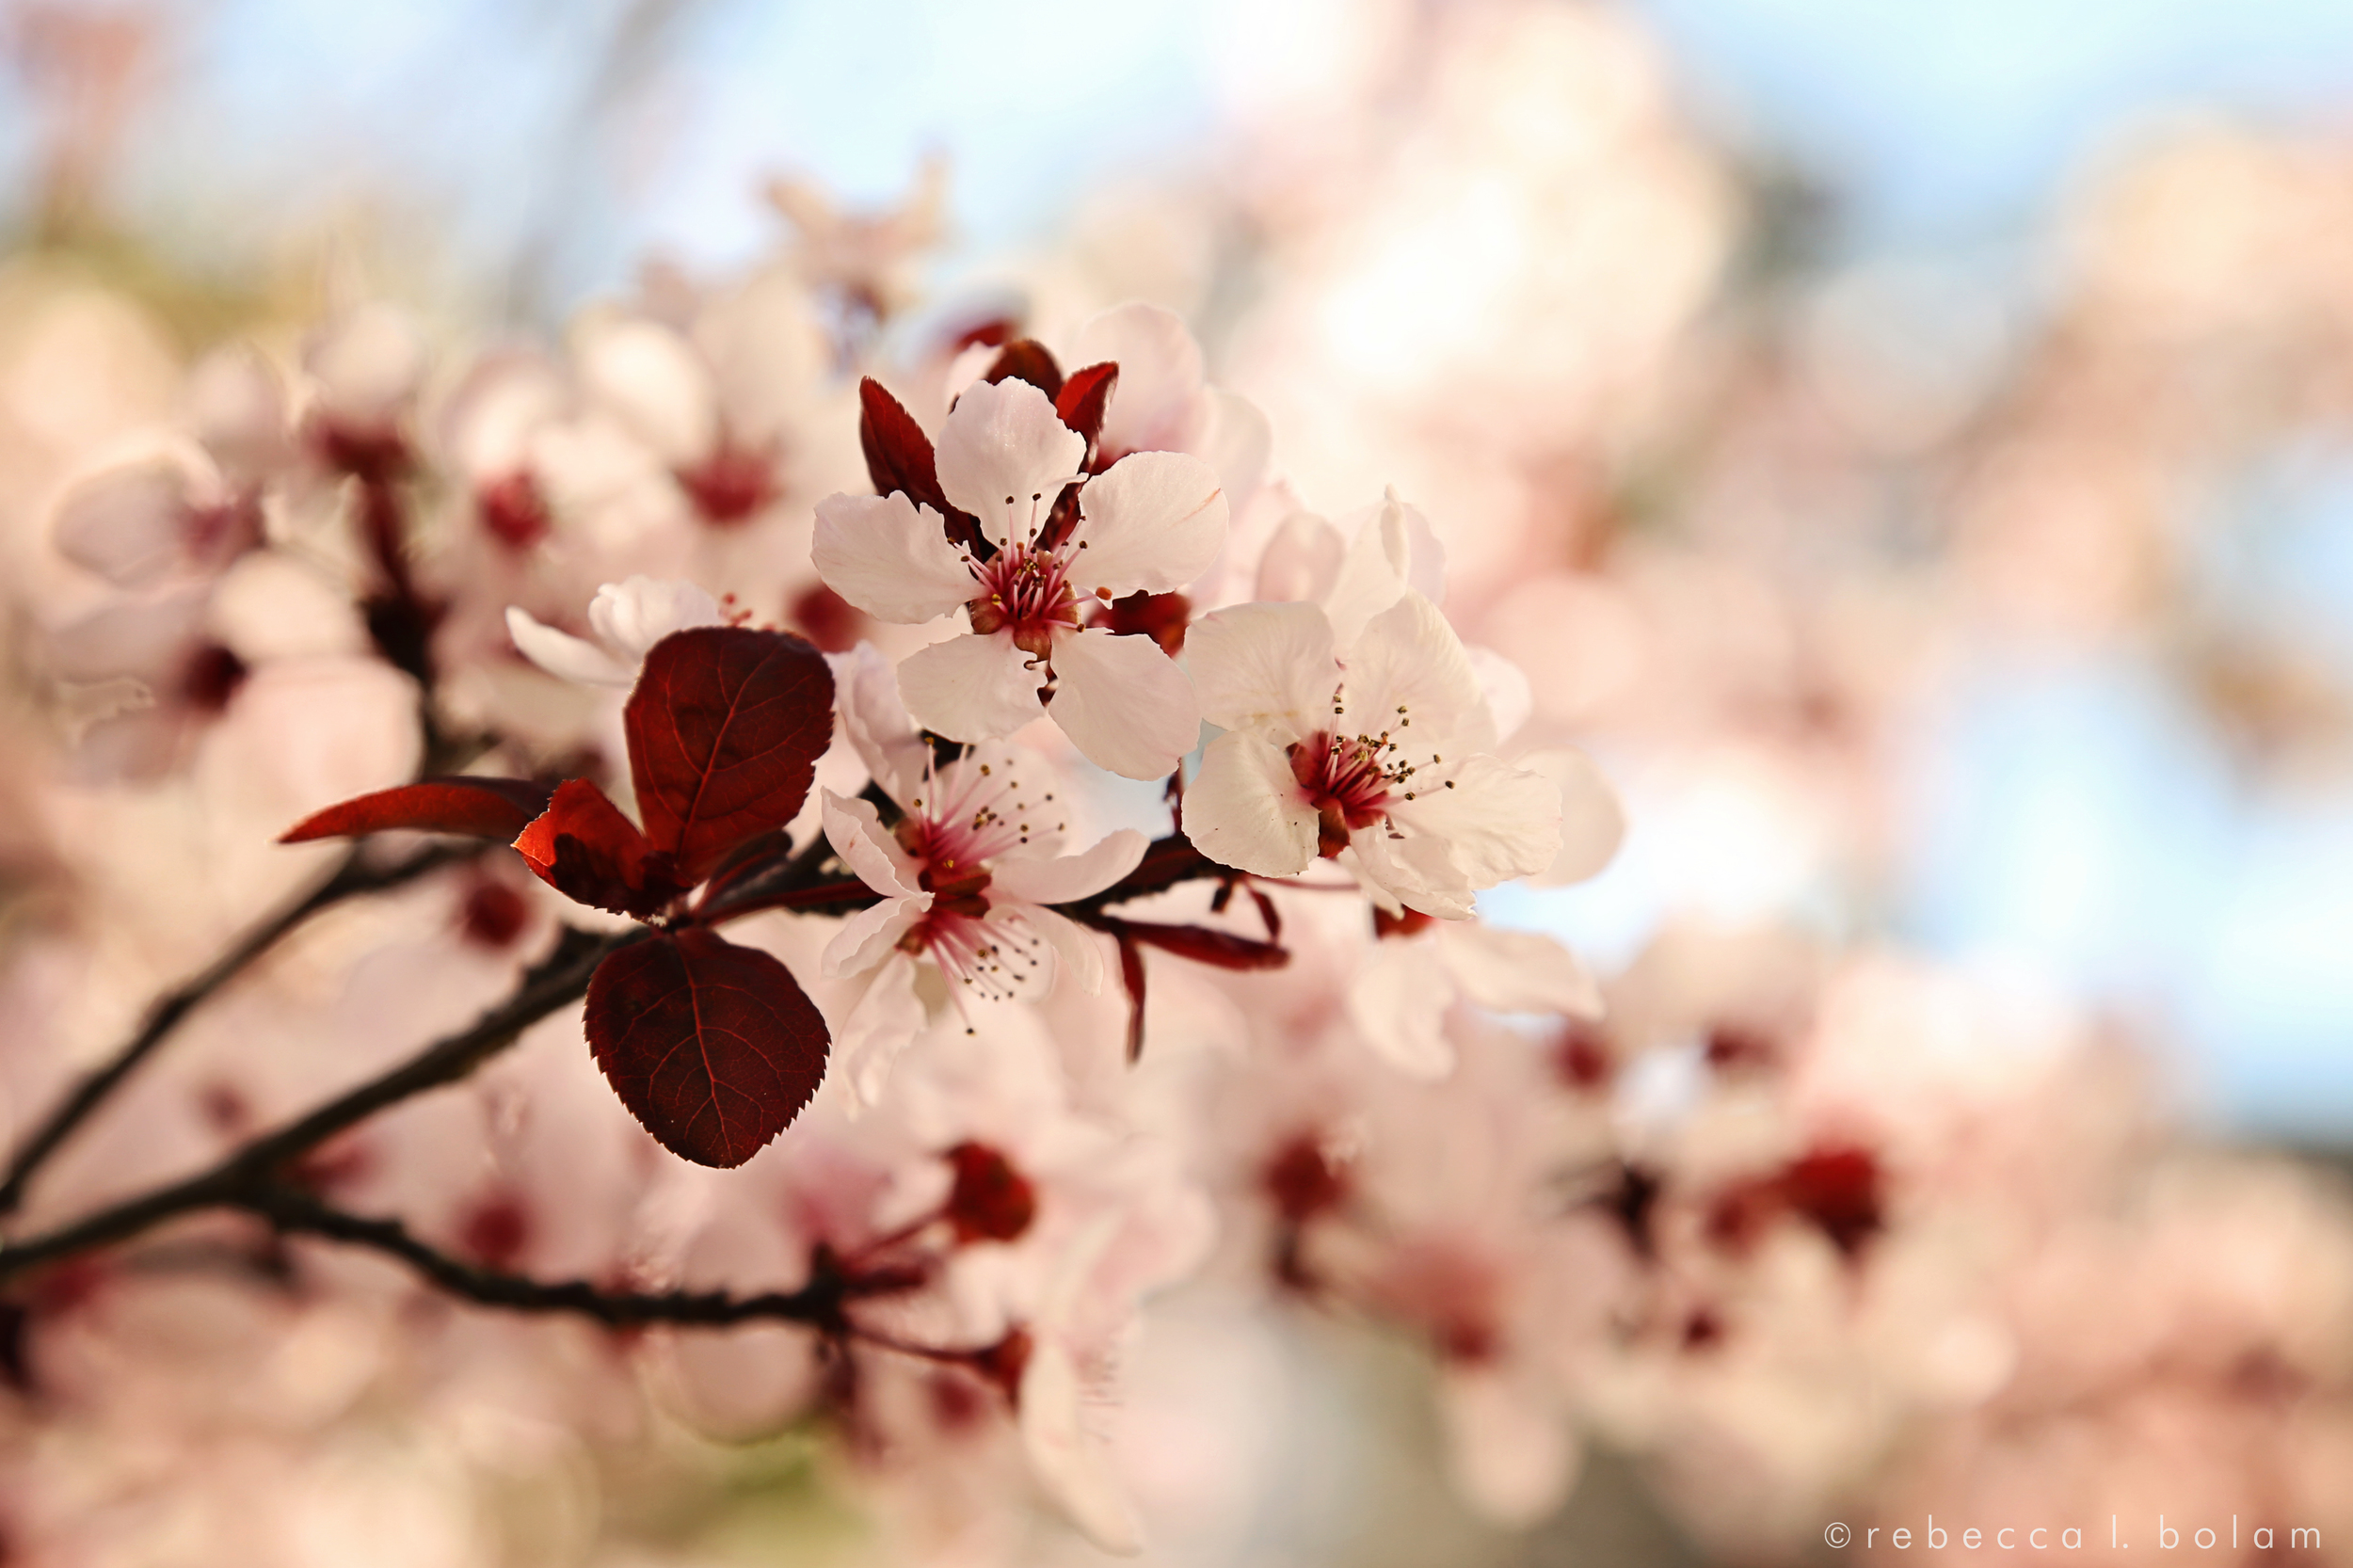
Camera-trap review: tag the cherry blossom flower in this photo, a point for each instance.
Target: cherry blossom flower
(1380, 757)
(967, 874)
(628, 618)
(1151, 523)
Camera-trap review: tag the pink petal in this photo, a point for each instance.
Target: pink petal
(128, 524)
(1004, 455)
(634, 614)
(1158, 405)
(1498, 822)
(1410, 665)
(563, 655)
(1518, 971)
(888, 557)
(876, 722)
(1245, 809)
(854, 829)
(1593, 823)
(1398, 1002)
(1155, 521)
(1266, 668)
(1070, 1463)
(1124, 703)
(1064, 878)
(1079, 950)
(870, 936)
(970, 688)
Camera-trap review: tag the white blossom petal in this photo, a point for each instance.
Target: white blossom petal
(888, 557)
(1245, 809)
(1302, 560)
(1373, 574)
(563, 655)
(1419, 872)
(1498, 822)
(1398, 1002)
(1068, 1462)
(634, 614)
(870, 936)
(128, 523)
(876, 722)
(1158, 405)
(1004, 455)
(1154, 521)
(1518, 971)
(854, 829)
(1124, 703)
(1079, 950)
(1060, 879)
(1264, 667)
(1410, 665)
(1592, 821)
(970, 688)
(884, 1021)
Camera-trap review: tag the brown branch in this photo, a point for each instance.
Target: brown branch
(562, 977)
(351, 878)
(293, 1212)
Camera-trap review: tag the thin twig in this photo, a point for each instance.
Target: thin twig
(561, 979)
(293, 1211)
(351, 878)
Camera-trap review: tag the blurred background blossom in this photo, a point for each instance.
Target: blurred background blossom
(1910, 448)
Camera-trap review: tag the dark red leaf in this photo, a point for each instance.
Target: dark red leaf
(1027, 359)
(1204, 946)
(478, 808)
(1084, 398)
(713, 1047)
(584, 848)
(724, 730)
(898, 454)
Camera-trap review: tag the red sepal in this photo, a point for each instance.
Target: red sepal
(713, 1047)
(584, 848)
(724, 730)
(1085, 397)
(1027, 359)
(899, 458)
(898, 454)
(1204, 946)
(476, 807)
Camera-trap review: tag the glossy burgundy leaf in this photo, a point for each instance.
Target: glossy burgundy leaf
(477, 807)
(584, 848)
(898, 454)
(1085, 397)
(1027, 359)
(724, 730)
(713, 1047)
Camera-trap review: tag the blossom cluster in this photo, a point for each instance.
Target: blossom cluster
(812, 913)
